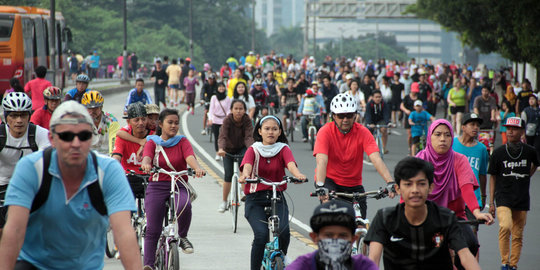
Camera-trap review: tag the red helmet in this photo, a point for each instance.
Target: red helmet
(310, 92)
(52, 92)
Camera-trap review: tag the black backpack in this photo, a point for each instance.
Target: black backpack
(94, 189)
(31, 138)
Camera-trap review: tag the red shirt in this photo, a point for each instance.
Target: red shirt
(41, 117)
(345, 152)
(272, 169)
(36, 88)
(128, 151)
(177, 157)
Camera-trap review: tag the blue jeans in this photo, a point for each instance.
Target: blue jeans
(257, 218)
(304, 121)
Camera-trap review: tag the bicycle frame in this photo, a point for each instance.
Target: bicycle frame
(234, 194)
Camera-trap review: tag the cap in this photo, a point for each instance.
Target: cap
(406, 72)
(418, 103)
(70, 107)
(349, 76)
(250, 52)
(309, 92)
(514, 122)
(468, 117)
(151, 109)
(135, 110)
(315, 83)
(415, 88)
(333, 207)
(212, 76)
(188, 59)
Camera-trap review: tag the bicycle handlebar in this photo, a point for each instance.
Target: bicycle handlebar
(286, 179)
(156, 169)
(377, 194)
(234, 156)
(472, 221)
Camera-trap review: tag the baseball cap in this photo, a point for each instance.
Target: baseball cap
(151, 109)
(406, 72)
(135, 110)
(349, 76)
(250, 52)
(333, 208)
(315, 83)
(468, 117)
(415, 88)
(418, 103)
(68, 108)
(512, 122)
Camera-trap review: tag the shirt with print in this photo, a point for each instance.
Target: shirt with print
(177, 157)
(420, 120)
(291, 97)
(74, 221)
(100, 140)
(478, 157)
(512, 176)
(410, 247)
(128, 151)
(484, 110)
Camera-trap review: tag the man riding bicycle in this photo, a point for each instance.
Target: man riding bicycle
(290, 99)
(378, 113)
(260, 95)
(339, 151)
(93, 101)
(52, 96)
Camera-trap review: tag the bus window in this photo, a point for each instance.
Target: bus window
(6, 25)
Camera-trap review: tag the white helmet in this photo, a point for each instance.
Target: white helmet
(17, 102)
(343, 103)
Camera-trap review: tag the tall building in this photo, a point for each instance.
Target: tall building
(271, 15)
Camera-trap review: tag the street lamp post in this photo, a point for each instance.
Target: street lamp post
(191, 29)
(52, 41)
(125, 71)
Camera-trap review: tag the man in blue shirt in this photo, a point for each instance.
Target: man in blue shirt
(138, 94)
(67, 230)
(418, 119)
(477, 154)
(95, 62)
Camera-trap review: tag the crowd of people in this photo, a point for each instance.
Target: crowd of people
(242, 101)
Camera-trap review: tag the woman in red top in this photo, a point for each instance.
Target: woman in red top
(178, 154)
(267, 158)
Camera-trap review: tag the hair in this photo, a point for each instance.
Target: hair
(508, 105)
(235, 92)
(16, 84)
(234, 101)
(158, 61)
(139, 80)
(332, 219)
(174, 61)
(258, 138)
(41, 71)
(165, 58)
(409, 167)
(376, 92)
(162, 115)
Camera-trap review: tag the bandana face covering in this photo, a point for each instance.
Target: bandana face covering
(334, 253)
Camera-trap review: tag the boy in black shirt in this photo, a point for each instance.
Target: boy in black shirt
(417, 234)
(511, 167)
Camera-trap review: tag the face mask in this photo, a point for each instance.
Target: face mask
(333, 253)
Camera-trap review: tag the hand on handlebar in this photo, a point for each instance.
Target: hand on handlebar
(221, 153)
(146, 168)
(484, 216)
(300, 177)
(199, 173)
(391, 188)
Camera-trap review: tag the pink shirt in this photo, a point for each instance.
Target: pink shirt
(177, 156)
(219, 109)
(36, 88)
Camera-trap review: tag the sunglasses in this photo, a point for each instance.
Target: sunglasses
(345, 115)
(68, 136)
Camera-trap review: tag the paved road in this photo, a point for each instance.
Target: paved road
(301, 205)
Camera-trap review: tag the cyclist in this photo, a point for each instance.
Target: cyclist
(418, 120)
(378, 113)
(219, 109)
(168, 148)
(417, 233)
(93, 101)
(235, 136)
(333, 225)
(290, 99)
(260, 95)
(138, 94)
(52, 96)
(81, 87)
(511, 168)
(274, 91)
(240, 92)
(20, 138)
(267, 157)
(339, 151)
(66, 232)
(329, 91)
(310, 105)
(152, 112)
(209, 89)
(34, 88)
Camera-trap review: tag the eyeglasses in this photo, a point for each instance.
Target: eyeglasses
(68, 136)
(345, 115)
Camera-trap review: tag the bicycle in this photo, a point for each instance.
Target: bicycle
(359, 247)
(378, 138)
(273, 258)
(138, 219)
(487, 137)
(312, 130)
(291, 121)
(167, 256)
(208, 129)
(233, 201)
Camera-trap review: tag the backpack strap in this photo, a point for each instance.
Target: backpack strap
(3, 136)
(32, 145)
(94, 191)
(32, 137)
(45, 187)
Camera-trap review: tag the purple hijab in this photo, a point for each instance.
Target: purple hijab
(445, 182)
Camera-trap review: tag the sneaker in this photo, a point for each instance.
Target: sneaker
(222, 207)
(148, 267)
(186, 246)
(304, 139)
(217, 158)
(203, 132)
(192, 111)
(243, 198)
(505, 267)
(512, 268)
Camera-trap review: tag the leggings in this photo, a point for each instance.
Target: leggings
(215, 131)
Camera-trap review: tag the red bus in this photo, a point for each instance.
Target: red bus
(24, 44)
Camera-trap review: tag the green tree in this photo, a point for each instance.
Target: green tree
(288, 41)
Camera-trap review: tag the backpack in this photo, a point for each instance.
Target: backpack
(94, 189)
(31, 138)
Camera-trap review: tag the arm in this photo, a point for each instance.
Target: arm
(291, 166)
(449, 99)
(381, 168)
(124, 237)
(482, 180)
(222, 138)
(146, 164)
(192, 162)
(246, 173)
(402, 107)
(128, 137)
(468, 261)
(491, 194)
(375, 252)
(320, 171)
(13, 236)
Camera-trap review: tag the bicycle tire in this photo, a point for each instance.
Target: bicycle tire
(380, 145)
(160, 257)
(110, 249)
(312, 134)
(362, 247)
(234, 202)
(291, 128)
(278, 263)
(173, 258)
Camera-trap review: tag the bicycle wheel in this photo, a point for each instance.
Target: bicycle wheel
(278, 263)
(173, 259)
(234, 202)
(312, 134)
(110, 248)
(160, 257)
(291, 128)
(380, 145)
(362, 247)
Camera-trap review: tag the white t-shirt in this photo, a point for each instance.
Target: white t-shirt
(9, 156)
(249, 104)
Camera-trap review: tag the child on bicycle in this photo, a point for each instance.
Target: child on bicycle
(417, 234)
(267, 158)
(333, 224)
(310, 105)
(418, 119)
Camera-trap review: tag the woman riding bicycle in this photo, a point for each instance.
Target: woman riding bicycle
(171, 152)
(236, 134)
(267, 158)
